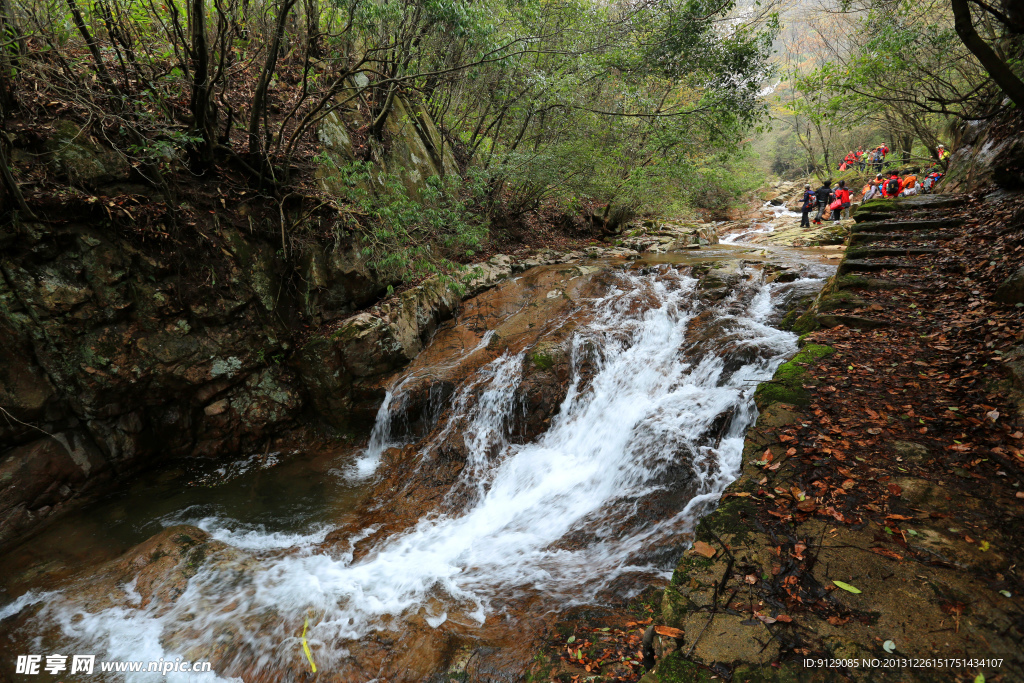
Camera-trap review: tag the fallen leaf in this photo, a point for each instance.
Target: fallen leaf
(846, 587)
(669, 631)
(874, 431)
(886, 553)
(703, 549)
(895, 489)
(750, 578)
(784, 618)
(889, 646)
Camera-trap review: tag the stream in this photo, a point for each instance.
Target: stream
(552, 447)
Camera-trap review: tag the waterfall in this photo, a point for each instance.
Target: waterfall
(662, 410)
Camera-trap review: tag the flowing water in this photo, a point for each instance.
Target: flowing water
(646, 433)
(760, 227)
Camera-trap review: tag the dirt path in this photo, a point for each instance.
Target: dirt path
(874, 533)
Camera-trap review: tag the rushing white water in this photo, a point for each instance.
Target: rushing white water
(638, 426)
(761, 227)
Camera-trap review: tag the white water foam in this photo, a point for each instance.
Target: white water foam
(761, 227)
(647, 409)
(249, 536)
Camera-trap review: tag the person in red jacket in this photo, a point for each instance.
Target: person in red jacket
(892, 187)
(843, 197)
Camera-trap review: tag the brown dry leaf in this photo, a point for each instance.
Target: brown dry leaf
(887, 553)
(837, 621)
(798, 550)
(849, 484)
(806, 506)
(791, 451)
(669, 631)
(784, 619)
(874, 431)
(750, 578)
(895, 489)
(703, 549)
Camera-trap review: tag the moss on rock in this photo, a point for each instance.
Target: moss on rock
(787, 384)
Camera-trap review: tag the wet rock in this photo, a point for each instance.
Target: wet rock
(38, 478)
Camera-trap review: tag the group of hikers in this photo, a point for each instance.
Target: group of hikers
(875, 158)
(836, 201)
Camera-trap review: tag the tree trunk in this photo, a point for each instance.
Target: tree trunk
(101, 69)
(1000, 72)
(204, 123)
(259, 97)
(313, 37)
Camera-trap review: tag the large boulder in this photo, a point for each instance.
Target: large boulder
(39, 478)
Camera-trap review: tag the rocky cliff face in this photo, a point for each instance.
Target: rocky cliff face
(120, 349)
(988, 153)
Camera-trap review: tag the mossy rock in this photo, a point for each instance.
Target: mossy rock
(542, 361)
(806, 323)
(841, 300)
(874, 210)
(861, 282)
(731, 517)
(787, 384)
(676, 669)
(82, 161)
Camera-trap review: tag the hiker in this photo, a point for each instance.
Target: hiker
(942, 153)
(883, 149)
(808, 202)
(930, 180)
(824, 197)
(910, 186)
(874, 188)
(841, 203)
(893, 186)
(876, 159)
(861, 158)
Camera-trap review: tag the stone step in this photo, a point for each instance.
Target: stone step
(878, 209)
(874, 252)
(863, 266)
(856, 322)
(869, 237)
(901, 226)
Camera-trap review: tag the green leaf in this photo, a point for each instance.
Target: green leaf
(846, 587)
(572, 639)
(980, 678)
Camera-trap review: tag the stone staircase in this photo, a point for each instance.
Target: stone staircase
(888, 235)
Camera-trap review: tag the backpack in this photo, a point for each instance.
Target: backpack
(892, 187)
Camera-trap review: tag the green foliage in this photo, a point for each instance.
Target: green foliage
(406, 236)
